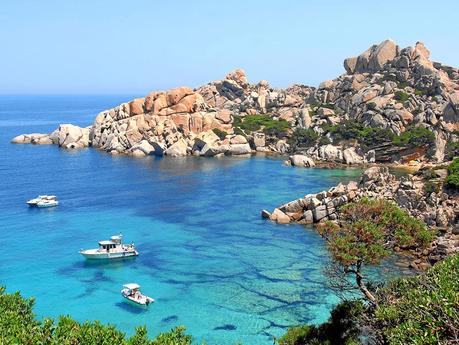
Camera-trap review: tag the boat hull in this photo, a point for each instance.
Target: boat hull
(46, 205)
(107, 256)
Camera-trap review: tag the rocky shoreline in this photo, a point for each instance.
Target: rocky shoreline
(357, 118)
(421, 194)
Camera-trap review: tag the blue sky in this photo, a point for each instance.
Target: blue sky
(135, 46)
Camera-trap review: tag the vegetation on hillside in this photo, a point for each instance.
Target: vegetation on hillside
(303, 137)
(452, 180)
(221, 134)
(414, 137)
(452, 150)
(19, 326)
(253, 123)
(367, 136)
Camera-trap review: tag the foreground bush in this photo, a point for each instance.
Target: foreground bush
(419, 310)
(341, 328)
(19, 326)
(422, 309)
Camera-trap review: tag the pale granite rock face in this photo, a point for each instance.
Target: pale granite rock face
(385, 87)
(301, 161)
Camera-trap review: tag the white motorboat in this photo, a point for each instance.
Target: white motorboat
(111, 249)
(47, 203)
(132, 293)
(41, 198)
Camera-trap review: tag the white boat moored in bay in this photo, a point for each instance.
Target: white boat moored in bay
(43, 201)
(111, 249)
(132, 293)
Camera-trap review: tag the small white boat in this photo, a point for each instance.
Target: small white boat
(132, 293)
(47, 203)
(41, 198)
(111, 249)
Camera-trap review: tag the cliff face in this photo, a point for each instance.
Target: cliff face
(385, 87)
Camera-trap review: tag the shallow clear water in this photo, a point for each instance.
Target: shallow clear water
(207, 257)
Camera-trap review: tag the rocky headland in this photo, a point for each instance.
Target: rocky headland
(391, 105)
(423, 194)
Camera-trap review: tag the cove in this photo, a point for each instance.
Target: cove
(206, 256)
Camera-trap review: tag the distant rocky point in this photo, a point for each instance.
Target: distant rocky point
(391, 105)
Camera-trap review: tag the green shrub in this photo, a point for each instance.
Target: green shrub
(431, 187)
(452, 180)
(253, 123)
(327, 105)
(402, 85)
(19, 326)
(277, 128)
(414, 137)
(221, 134)
(238, 131)
(324, 140)
(401, 96)
(341, 327)
(423, 309)
(452, 150)
(420, 92)
(367, 136)
(303, 137)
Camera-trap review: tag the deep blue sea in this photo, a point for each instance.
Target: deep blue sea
(206, 256)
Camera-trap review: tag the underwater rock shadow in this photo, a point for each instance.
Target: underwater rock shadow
(169, 319)
(227, 327)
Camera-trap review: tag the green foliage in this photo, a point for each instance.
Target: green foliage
(341, 328)
(414, 137)
(238, 131)
(221, 134)
(452, 150)
(253, 123)
(422, 309)
(324, 140)
(431, 187)
(402, 85)
(303, 137)
(327, 105)
(401, 96)
(419, 92)
(367, 136)
(19, 326)
(367, 234)
(277, 128)
(452, 180)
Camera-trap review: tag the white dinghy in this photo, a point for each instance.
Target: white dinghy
(132, 293)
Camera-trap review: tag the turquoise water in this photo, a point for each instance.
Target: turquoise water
(207, 257)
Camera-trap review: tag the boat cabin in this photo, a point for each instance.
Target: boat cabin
(112, 243)
(107, 245)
